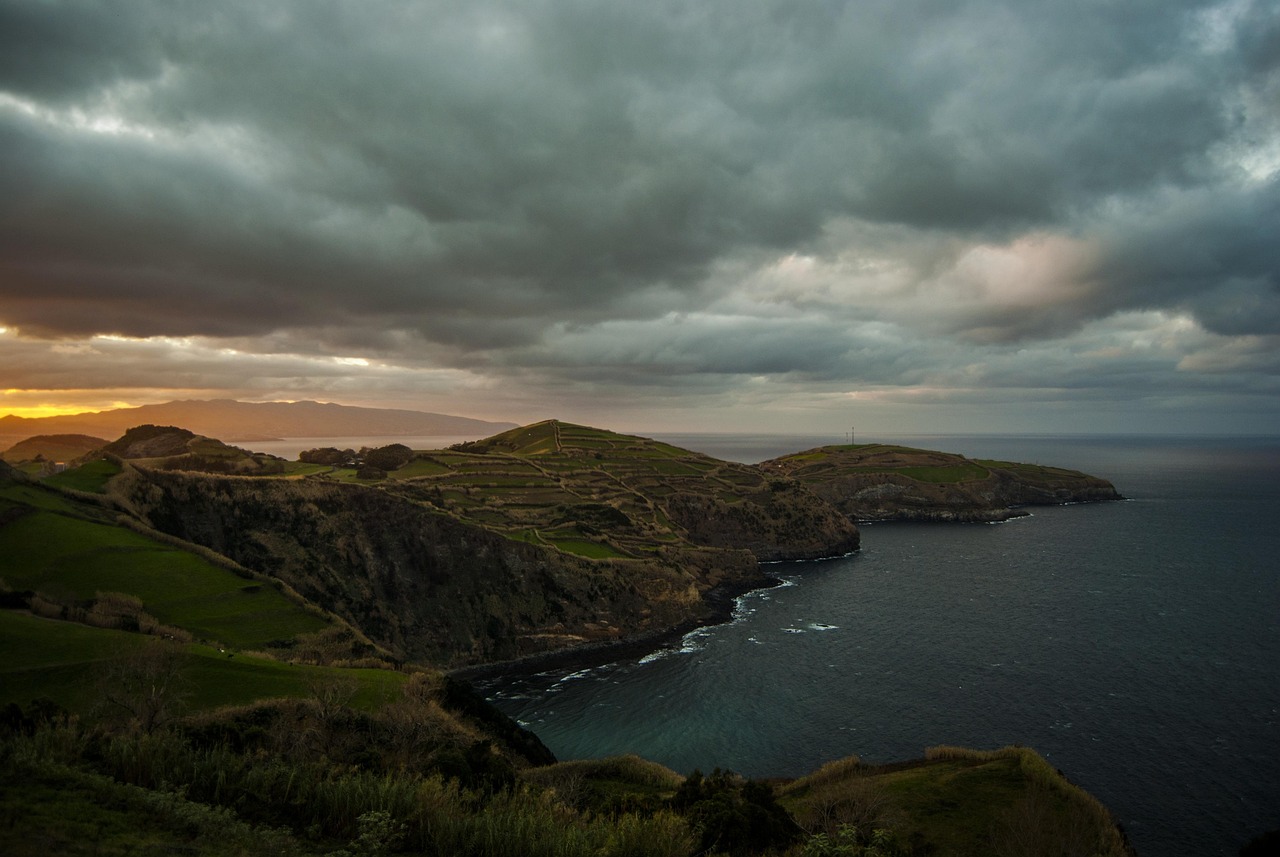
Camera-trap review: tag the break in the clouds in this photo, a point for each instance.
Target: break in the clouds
(1001, 214)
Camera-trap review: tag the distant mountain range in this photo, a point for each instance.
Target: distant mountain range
(232, 421)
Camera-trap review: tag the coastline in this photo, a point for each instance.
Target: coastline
(720, 601)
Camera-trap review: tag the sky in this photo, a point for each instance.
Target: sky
(908, 216)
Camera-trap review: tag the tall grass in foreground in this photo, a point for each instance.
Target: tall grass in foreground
(1087, 816)
(217, 791)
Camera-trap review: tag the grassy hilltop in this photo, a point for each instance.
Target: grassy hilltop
(229, 665)
(879, 482)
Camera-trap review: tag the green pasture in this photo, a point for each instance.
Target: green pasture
(591, 550)
(91, 477)
(955, 801)
(947, 473)
(63, 556)
(668, 467)
(18, 494)
(952, 803)
(63, 660)
(1033, 472)
(420, 467)
(303, 468)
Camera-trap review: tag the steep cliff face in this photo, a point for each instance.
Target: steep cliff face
(424, 584)
(789, 522)
(878, 482)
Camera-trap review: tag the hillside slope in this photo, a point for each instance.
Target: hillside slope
(52, 447)
(878, 482)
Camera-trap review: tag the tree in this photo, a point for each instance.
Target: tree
(146, 685)
(390, 457)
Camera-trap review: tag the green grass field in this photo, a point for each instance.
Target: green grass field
(48, 550)
(591, 550)
(63, 660)
(91, 477)
(966, 472)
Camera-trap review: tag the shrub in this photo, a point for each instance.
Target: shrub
(733, 815)
(391, 457)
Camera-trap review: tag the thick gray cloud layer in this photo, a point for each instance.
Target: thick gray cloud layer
(721, 202)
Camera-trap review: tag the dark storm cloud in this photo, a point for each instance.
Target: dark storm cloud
(494, 183)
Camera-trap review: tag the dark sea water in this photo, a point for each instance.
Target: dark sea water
(1135, 644)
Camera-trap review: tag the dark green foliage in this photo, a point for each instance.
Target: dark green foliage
(459, 697)
(848, 841)
(390, 457)
(328, 455)
(592, 518)
(142, 433)
(260, 802)
(10, 600)
(39, 713)
(733, 815)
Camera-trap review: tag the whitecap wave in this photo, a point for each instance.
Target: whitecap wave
(576, 675)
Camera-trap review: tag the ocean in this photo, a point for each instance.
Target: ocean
(1135, 644)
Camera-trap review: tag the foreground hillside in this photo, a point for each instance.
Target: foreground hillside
(880, 482)
(217, 787)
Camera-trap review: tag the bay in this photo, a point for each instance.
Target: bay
(1135, 644)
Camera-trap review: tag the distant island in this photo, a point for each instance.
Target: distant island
(241, 421)
(209, 650)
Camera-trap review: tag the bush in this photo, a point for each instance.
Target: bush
(328, 456)
(391, 457)
(733, 815)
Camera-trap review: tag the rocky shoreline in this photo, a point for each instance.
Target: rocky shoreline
(720, 602)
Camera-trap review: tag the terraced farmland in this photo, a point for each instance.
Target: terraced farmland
(600, 494)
